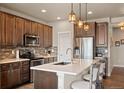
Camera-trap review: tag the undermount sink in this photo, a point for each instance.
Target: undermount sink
(62, 63)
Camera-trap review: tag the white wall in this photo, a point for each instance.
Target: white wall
(118, 52)
(60, 26)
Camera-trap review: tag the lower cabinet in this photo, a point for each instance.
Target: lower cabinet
(25, 74)
(12, 75)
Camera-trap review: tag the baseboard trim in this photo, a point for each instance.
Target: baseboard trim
(118, 65)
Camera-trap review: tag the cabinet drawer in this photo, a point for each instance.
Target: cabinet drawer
(15, 65)
(25, 70)
(5, 67)
(25, 63)
(25, 77)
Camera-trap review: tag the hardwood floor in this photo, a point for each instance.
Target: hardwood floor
(116, 80)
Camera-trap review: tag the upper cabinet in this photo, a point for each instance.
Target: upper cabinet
(19, 28)
(13, 29)
(79, 32)
(40, 31)
(34, 28)
(27, 27)
(2, 32)
(101, 34)
(9, 29)
(47, 36)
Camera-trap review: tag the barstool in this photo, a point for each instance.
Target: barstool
(101, 73)
(82, 84)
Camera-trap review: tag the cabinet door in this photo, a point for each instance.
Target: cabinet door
(101, 34)
(19, 31)
(4, 75)
(50, 37)
(10, 29)
(34, 28)
(15, 74)
(40, 34)
(27, 27)
(2, 31)
(46, 36)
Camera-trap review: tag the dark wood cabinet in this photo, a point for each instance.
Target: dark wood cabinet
(27, 27)
(34, 28)
(101, 34)
(41, 34)
(47, 36)
(45, 80)
(2, 31)
(4, 75)
(46, 29)
(50, 36)
(10, 75)
(10, 29)
(24, 72)
(14, 74)
(19, 28)
(13, 28)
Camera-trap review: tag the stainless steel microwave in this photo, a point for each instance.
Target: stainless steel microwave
(31, 40)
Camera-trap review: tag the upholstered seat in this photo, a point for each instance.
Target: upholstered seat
(82, 84)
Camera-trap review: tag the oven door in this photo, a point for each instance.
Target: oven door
(36, 62)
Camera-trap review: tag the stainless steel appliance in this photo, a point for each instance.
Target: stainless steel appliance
(85, 47)
(34, 61)
(31, 40)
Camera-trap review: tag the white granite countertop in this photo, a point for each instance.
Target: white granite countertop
(12, 60)
(76, 68)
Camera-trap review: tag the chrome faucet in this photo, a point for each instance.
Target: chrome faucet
(71, 54)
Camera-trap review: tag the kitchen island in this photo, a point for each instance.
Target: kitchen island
(60, 76)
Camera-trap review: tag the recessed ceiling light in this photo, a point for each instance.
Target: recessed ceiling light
(90, 12)
(43, 10)
(58, 18)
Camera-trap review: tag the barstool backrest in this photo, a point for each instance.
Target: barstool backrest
(94, 69)
(102, 65)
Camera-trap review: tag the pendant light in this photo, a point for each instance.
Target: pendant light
(80, 22)
(72, 15)
(86, 25)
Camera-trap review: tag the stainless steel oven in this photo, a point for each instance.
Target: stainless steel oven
(35, 62)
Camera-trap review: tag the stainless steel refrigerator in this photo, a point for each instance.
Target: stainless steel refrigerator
(85, 50)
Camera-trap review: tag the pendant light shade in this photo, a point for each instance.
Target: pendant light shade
(80, 22)
(86, 26)
(72, 15)
(122, 27)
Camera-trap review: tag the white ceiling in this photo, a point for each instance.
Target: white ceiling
(100, 10)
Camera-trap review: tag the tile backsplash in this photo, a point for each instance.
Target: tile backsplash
(11, 53)
(7, 53)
